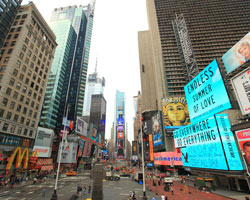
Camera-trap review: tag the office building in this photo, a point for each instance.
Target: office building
(209, 28)
(73, 28)
(95, 85)
(8, 11)
(24, 70)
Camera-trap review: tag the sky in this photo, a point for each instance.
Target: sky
(115, 46)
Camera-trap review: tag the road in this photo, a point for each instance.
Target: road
(112, 190)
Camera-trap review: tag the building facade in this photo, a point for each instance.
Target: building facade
(67, 82)
(8, 11)
(24, 70)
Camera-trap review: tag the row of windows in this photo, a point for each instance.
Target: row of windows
(12, 128)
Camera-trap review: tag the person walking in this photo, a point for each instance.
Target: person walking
(84, 190)
(162, 197)
(154, 198)
(78, 190)
(89, 189)
(172, 190)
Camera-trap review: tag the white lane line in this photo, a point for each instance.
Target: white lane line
(5, 191)
(60, 194)
(124, 194)
(18, 192)
(30, 192)
(119, 188)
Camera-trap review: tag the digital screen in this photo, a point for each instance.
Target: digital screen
(230, 148)
(200, 145)
(167, 158)
(158, 140)
(206, 94)
(238, 54)
(120, 121)
(120, 128)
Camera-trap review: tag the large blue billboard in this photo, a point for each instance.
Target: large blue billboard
(201, 145)
(228, 141)
(206, 94)
(205, 145)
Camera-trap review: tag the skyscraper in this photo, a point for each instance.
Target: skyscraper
(95, 85)
(24, 71)
(187, 35)
(8, 11)
(119, 123)
(73, 28)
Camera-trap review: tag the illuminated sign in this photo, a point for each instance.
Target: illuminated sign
(120, 128)
(201, 145)
(120, 121)
(238, 54)
(158, 140)
(229, 145)
(19, 155)
(120, 135)
(174, 112)
(243, 137)
(206, 94)
(151, 150)
(167, 158)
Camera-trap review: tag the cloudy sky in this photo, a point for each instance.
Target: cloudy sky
(115, 45)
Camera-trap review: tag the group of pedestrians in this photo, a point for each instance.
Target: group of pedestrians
(82, 190)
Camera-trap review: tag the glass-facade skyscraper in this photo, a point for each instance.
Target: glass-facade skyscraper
(8, 11)
(73, 28)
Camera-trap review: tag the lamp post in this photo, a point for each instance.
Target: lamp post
(144, 197)
(54, 195)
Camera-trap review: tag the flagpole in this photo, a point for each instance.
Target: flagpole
(54, 196)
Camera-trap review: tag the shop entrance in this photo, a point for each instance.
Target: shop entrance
(243, 185)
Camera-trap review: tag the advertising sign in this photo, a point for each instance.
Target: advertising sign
(243, 137)
(120, 121)
(81, 126)
(158, 140)
(19, 156)
(85, 149)
(229, 145)
(174, 112)
(69, 153)
(147, 127)
(201, 145)
(120, 128)
(238, 54)
(120, 135)
(44, 142)
(241, 86)
(206, 94)
(134, 148)
(168, 158)
(151, 150)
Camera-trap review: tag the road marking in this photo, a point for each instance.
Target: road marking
(118, 188)
(30, 192)
(18, 192)
(124, 194)
(5, 191)
(138, 189)
(60, 194)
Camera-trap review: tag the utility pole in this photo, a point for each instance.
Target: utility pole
(143, 170)
(54, 195)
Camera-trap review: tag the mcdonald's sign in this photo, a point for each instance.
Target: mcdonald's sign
(20, 156)
(34, 156)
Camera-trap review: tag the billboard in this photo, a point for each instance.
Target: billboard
(201, 145)
(44, 141)
(228, 142)
(238, 54)
(206, 94)
(158, 140)
(81, 127)
(120, 121)
(147, 127)
(168, 158)
(120, 135)
(243, 137)
(120, 128)
(85, 149)
(174, 112)
(134, 148)
(69, 153)
(151, 150)
(241, 86)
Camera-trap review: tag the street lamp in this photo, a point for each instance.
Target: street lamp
(143, 170)
(54, 195)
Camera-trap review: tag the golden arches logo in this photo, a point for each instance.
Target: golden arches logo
(20, 155)
(35, 154)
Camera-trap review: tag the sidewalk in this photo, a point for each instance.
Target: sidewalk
(191, 193)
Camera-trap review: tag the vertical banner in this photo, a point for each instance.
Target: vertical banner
(151, 150)
(244, 142)
(230, 148)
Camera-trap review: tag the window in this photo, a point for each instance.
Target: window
(9, 51)
(34, 96)
(21, 22)
(16, 36)
(22, 120)
(26, 41)
(18, 108)
(8, 116)
(19, 29)
(15, 72)
(24, 68)
(26, 61)
(27, 101)
(31, 133)
(15, 95)
(16, 118)
(24, 89)
(27, 122)
(30, 113)
(13, 43)
(29, 93)
(27, 81)
(32, 84)
(24, 110)
(21, 98)
(18, 85)
(12, 105)
(31, 65)
(29, 53)
(24, 48)
(2, 69)
(5, 127)
(1, 112)
(21, 55)
(18, 63)
(12, 81)
(19, 131)
(13, 128)
(39, 98)
(33, 124)
(34, 58)
(35, 115)
(25, 132)
(6, 60)
(32, 104)
(5, 102)
(8, 91)
(8, 37)
(21, 77)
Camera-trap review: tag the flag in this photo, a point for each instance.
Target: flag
(71, 124)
